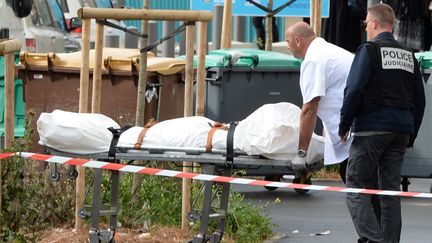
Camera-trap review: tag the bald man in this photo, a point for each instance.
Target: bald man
(323, 75)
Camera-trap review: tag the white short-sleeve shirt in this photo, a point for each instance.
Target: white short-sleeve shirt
(323, 74)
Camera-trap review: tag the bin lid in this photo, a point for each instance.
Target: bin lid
(73, 60)
(425, 59)
(162, 65)
(114, 59)
(253, 58)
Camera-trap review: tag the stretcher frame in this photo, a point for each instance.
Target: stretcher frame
(214, 163)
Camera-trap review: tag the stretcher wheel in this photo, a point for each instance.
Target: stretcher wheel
(54, 176)
(112, 240)
(217, 236)
(306, 181)
(271, 178)
(82, 213)
(73, 174)
(106, 237)
(193, 216)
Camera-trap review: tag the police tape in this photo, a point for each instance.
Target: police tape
(204, 177)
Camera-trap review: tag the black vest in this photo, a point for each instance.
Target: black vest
(392, 79)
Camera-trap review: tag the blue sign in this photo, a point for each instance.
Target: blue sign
(300, 8)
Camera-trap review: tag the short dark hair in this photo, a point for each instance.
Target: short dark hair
(383, 13)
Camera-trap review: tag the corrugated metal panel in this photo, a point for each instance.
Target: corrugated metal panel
(169, 4)
(159, 4)
(156, 4)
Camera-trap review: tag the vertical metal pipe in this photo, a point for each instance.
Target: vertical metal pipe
(131, 41)
(239, 28)
(217, 26)
(152, 35)
(182, 43)
(168, 45)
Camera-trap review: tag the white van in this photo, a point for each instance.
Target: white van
(113, 37)
(43, 30)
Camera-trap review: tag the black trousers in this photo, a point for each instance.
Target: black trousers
(375, 163)
(258, 23)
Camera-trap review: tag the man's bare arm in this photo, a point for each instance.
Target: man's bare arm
(308, 118)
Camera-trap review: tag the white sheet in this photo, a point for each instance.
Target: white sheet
(190, 132)
(271, 131)
(81, 133)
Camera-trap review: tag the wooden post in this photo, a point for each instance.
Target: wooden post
(97, 69)
(226, 25)
(315, 19)
(312, 14)
(83, 108)
(9, 46)
(188, 107)
(8, 49)
(201, 72)
(9, 100)
(201, 75)
(140, 109)
(269, 28)
(144, 14)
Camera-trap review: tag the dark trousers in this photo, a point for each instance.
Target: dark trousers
(258, 23)
(375, 163)
(342, 170)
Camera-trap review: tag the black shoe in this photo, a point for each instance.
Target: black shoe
(364, 240)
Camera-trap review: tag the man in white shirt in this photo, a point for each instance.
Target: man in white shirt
(323, 75)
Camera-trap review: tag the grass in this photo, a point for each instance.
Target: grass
(330, 172)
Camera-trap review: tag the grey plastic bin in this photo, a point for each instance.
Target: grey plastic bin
(246, 79)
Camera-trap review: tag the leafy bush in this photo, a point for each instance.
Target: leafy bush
(246, 222)
(160, 202)
(31, 202)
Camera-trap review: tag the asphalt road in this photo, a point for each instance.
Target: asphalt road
(301, 218)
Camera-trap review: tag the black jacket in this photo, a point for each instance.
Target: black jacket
(385, 118)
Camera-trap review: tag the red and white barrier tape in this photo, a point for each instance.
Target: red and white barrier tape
(204, 177)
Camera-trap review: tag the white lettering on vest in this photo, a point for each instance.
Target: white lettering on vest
(396, 58)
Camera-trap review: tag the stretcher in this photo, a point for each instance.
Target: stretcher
(213, 147)
(218, 162)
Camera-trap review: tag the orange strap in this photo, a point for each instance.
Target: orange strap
(142, 134)
(215, 127)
